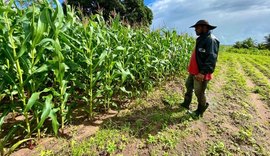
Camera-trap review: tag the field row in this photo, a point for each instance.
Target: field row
(236, 108)
(257, 69)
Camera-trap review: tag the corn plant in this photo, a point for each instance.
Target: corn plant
(53, 63)
(24, 72)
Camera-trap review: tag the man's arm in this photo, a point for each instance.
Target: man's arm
(212, 47)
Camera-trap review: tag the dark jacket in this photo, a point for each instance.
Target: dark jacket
(207, 46)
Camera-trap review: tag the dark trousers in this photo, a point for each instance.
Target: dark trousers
(199, 88)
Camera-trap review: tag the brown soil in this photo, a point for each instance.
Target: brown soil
(78, 132)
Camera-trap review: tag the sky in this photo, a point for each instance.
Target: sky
(236, 20)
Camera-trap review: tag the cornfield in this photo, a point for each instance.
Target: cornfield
(52, 63)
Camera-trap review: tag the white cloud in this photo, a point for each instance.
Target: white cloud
(236, 20)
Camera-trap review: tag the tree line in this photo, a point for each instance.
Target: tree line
(133, 12)
(251, 43)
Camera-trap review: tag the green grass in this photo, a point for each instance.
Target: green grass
(260, 65)
(262, 82)
(252, 51)
(104, 141)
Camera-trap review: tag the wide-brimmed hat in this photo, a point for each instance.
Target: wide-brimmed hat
(204, 22)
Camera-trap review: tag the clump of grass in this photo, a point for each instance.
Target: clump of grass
(171, 99)
(103, 142)
(245, 135)
(218, 148)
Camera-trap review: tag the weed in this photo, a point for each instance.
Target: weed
(241, 117)
(245, 135)
(46, 153)
(171, 99)
(108, 141)
(218, 148)
(151, 139)
(111, 147)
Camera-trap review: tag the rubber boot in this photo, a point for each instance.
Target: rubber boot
(185, 104)
(200, 110)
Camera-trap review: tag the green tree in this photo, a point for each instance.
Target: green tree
(247, 43)
(132, 11)
(237, 45)
(136, 12)
(267, 41)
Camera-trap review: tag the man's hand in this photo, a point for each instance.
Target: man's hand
(199, 77)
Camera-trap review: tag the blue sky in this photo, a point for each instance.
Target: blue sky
(147, 2)
(236, 20)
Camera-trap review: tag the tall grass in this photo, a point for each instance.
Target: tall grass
(53, 63)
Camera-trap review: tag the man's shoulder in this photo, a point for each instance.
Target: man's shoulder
(212, 38)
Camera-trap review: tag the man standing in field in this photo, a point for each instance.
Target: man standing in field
(202, 64)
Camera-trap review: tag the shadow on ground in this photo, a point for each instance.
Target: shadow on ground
(141, 123)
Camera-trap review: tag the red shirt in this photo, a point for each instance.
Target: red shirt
(193, 67)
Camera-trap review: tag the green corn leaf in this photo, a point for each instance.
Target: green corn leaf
(99, 74)
(120, 48)
(55, 123)
(46, 110)
(2, 96)
(6, 138)
(25, 63)
(7, 8)
(85, 99)
(10, 134)
(59, 12)
(44, 41)
(4, 114)
(8, 77)
(49, 19)
(65, 98)
(32, 100)
(124, 73)
(101, 58)
(56, 45)
(41, 69)
(23, 46)
(66, 40)
(47, 90)
(41, 27)
(17, 144)
(125, 91)
(8, 53)
(60, 72)
(68, 37)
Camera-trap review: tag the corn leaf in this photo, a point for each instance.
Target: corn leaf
(3, 115)
(46, 110)
(32, 100)
(17, 144)
(55, 123)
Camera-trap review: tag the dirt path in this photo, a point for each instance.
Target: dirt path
(262, 111)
